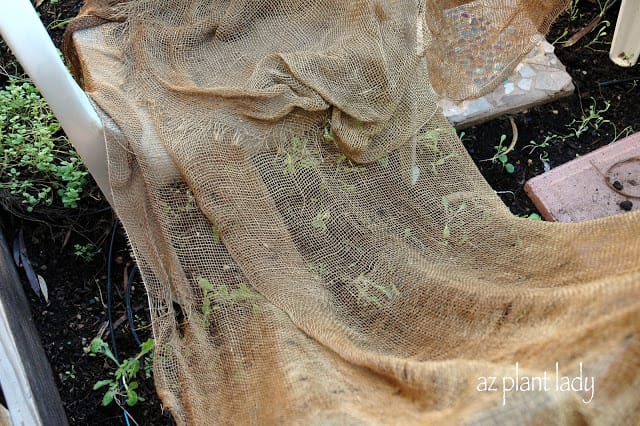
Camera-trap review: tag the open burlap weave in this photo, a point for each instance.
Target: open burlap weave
(317, 246)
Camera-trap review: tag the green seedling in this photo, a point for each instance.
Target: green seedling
(432, 139)
(370, 292)
(450, 215)
(37, 163)
(591, 120)
(214, 298)
(298, 157)
(327, 135)
(344, 165)
(123, 382)
(319, 222)
(86, 252)
(533, 145)
(501, 155)
(532, 216)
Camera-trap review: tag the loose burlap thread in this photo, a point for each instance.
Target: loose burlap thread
(317, 245)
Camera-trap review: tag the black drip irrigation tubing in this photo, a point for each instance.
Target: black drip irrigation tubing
(129, 311)
(621, 81)
(127, 298)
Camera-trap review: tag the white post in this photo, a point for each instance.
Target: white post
(29, 41)
(625, 46)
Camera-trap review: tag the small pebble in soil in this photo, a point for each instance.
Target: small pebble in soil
(626, 205)
(617, 185)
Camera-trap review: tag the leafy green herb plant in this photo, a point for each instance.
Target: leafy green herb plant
(86, 251)
(37, 163)
(124, 379)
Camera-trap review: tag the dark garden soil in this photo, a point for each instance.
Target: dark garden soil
(76, 312)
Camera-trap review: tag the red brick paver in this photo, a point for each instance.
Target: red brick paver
(602, 183)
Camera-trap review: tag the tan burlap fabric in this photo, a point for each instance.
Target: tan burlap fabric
(317, 246)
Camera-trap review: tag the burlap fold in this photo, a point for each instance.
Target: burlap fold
(317, 245)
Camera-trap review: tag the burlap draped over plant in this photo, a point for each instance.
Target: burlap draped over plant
(318, 247)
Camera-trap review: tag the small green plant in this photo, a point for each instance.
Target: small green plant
(533, 145)
(501, 155)
(441, 161)
(574, 14)
(189, 203)
(59, 24)
(37, 163)
(383, 161)
(319, 222)
(217, 238)
(344, 165)
(68, 375)
(598, 24)
(124, 379)
(450, 215)
(327, 134)
(370, 292)
(562, 37)
(532, 216)
(298, 157)
(214, 298)
(601, 28)
(594, 119)
(598, 42)
(591, 120)
(320, 269)
(432, 138)
(86, 252)
(544, 154)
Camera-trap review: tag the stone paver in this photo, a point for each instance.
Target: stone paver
(602, 183)
(538, 79)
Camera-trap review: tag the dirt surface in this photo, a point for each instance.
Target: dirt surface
(598, 82)
(76, 311)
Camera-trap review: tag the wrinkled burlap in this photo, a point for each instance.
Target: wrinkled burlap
(317, 246)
